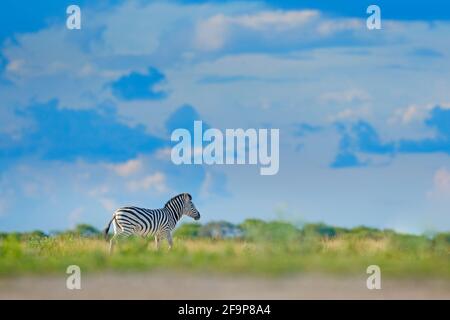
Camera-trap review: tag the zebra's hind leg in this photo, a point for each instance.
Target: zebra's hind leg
(115, 238)
(157, 242)
(112, 243)
(169, 240)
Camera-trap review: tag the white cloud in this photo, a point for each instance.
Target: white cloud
(210, 34)
(441, 184)
(442, 180)
(99, 190)
(156, 181)
(108, 204)
(14, 65)
(345, 96)
(414, 113)
(127, 168)
(275, 19)
(330, 27)
(163, 154)
(350, 114)
(213, 33)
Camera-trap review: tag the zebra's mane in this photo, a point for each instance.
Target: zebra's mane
(177, 197)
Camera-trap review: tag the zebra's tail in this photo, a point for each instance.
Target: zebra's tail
(106, 230)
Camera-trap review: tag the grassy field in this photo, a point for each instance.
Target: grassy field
(269, 249)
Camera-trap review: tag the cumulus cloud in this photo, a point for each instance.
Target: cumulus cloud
(442, 180)
(350, 114)
(345, 96)
(293, 28)
(66, 134)
(127, 168)
(99, 190)
(164, 154)
(409, 114)
(438, 120)
(211, 34)
(156, 182)
(362, 137)
(414, 113)
(441, 184)
(108, 204)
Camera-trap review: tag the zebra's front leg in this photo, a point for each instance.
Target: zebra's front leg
(169, 240)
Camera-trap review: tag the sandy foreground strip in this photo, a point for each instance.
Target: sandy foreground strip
(160, 285)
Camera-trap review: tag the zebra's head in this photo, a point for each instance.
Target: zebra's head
(189, 208)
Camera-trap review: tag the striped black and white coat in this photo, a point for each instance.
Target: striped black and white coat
(158, 223)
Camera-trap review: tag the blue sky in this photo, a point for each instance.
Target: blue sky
(86, 115)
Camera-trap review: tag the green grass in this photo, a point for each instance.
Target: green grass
(287, 253)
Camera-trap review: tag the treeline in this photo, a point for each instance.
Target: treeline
(253, 230)
(280, 231)
(81, 230)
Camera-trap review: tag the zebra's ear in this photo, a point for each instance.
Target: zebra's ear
(187, 196)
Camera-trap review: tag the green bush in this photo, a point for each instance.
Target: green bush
(188, 230)
(366, 232)
(86, 230)
(220, 230)
(83, 230)
(321, 230)
(277, 231)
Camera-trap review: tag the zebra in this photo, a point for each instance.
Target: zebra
(151, 222)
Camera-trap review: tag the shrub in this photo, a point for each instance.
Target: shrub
(220, 230)
(321, 230)
(258, 230)
(188, 230)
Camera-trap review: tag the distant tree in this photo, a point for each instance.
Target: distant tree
(252, 223)
(441, 242)
(322, 230)
(220, 230)
(86, 230)
(255, 229)
(188, 230)
(15, 235)
(367, 232)
(443, 237)
(33, 235)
